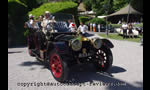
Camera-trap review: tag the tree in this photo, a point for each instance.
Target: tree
(137, 5)
(118, 4)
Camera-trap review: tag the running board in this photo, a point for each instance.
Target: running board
(38, 57)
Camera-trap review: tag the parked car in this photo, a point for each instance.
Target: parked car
(63, 49)
(109, 28)
(120, 31)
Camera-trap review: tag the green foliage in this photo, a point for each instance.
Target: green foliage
(116, 25)
(83, 19)
(26, 33)
(101, 6)
(138, 25)
(88, 4)
(119, 25)
(119, 37)
(137, 5)
(16, 18)
(118, 4)
(97, 21)
(65, 7)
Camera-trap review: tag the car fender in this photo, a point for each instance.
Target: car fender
(107, 43)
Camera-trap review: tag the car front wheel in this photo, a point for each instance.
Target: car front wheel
(58, 67)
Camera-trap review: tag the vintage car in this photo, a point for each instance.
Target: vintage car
(62, 49)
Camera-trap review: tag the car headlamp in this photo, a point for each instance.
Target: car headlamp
(97, 43)
(76, 44)
(84, 39)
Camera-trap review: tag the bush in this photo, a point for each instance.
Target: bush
(97, 21)
(83, 19)
(88, 4)
(119, 25)
(138, 25)
(58, 7)
(116, 25)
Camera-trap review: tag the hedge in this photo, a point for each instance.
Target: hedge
(97, 21)
(58, 7)
(83, 19)
(119, 25)
(116, 25)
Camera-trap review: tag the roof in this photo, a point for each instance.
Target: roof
(126, 10)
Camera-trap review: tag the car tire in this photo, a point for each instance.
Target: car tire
(58, 66)
(105, 59)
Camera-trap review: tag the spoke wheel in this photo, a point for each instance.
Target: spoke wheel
(104, 59)
(56, 65)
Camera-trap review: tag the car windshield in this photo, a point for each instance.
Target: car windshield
(61, 24)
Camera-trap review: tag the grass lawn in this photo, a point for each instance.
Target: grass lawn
(119, 37)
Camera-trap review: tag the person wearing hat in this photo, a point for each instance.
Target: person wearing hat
(29, 23)
(48, 18)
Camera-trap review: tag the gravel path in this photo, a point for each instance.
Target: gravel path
(25, 73)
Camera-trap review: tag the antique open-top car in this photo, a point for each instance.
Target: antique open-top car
(62, 49)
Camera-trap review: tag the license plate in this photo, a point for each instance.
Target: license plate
(81, 55)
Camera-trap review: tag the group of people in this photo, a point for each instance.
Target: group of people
(44, 22)
(126, 27)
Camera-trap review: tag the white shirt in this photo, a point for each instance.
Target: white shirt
(72, 27)
(124, 26)
(45, 22)
(99, 26)
(83, 28)
(94, 25)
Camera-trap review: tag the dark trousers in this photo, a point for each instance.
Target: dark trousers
(124, 33)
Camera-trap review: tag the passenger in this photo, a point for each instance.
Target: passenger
(40, 21)
(48, 18)
(29, 23)
(72, 26)
(83, 29)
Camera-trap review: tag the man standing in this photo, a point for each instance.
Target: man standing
(124, 27)
(99, 27)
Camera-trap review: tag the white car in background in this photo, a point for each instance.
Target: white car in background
(120, 31)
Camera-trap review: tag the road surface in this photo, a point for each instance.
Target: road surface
(25, 73)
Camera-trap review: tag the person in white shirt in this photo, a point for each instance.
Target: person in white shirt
(72, 26)
(99, 27)
(83, 28)
(124, 27)
(29, 23)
